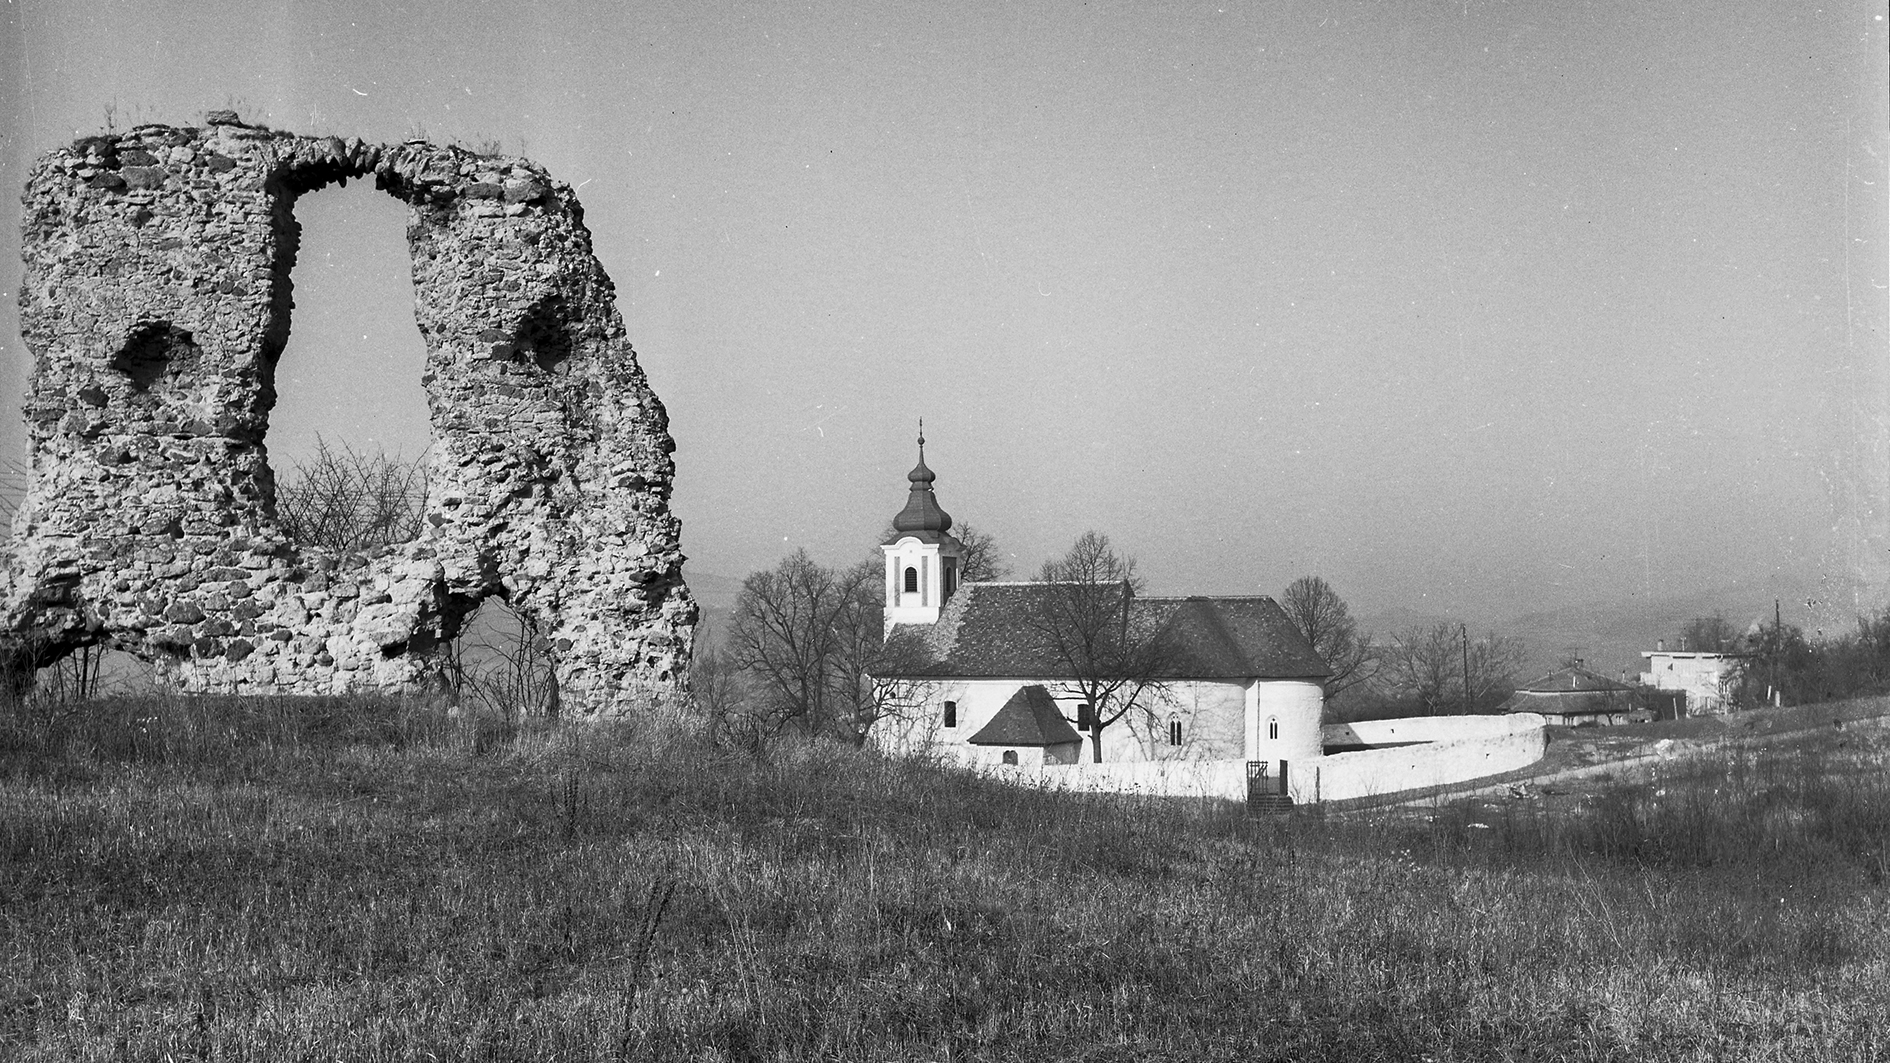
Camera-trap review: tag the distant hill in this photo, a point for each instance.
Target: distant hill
(1611, 635)
(715, 596)
(1608, 635)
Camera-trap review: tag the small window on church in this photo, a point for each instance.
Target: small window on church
(1174, 730)
(951, 714)
(1010, 756)
(912, 580)
(1085, 717)
(1273, 727)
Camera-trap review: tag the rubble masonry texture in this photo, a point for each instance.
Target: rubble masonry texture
(155, 304)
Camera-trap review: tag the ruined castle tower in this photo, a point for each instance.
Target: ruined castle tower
(155, 304)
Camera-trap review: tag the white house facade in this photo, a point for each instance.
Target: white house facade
(1706, 678)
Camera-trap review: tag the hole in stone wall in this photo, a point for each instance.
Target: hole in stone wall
(501, 663)
(348, 391)
(87, 673)
(150, 351)
(542, 338)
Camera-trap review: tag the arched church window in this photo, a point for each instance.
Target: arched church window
(1174, 730)
(1010, 757)
(1273, 727)
(912, 580)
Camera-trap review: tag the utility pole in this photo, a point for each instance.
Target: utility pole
(1778, 640)
(1465, 629)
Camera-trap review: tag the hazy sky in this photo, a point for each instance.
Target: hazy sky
(1469, 307)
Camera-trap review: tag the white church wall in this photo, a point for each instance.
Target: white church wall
(1212, 715)
(1284, 720)
(1212, 718)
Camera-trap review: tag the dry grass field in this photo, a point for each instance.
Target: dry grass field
(364, 880)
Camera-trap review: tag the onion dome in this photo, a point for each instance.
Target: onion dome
(922, 516)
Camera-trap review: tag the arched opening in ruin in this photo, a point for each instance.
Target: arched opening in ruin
(501, 663)
(348, 436)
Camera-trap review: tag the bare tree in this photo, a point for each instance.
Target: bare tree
(1083, 618)
(782, 633)
(1322, 616)
(810, 638)
(350, 502)
(1494, 661)
(725, 697)
(1431, 666)
(855, 701)
(1708, 634)
(982, 560)
(1421, 664)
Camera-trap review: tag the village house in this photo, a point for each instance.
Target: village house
(1575, 697)
(982, 684)
(1706, 679)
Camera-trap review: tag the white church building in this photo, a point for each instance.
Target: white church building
(1239, 683)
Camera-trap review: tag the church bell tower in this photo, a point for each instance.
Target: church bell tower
(922, 558)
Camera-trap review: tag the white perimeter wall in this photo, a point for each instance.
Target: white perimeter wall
(1455, 749)
(1164, 778)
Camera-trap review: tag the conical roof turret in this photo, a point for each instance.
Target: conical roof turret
(922, 516)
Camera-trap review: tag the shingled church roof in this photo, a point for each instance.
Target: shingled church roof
(995, 630)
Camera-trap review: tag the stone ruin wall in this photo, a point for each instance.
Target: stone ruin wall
(156, 303)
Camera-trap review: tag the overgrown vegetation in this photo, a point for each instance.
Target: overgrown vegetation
(1803, 670)
(352, 502)
(348, 501)
(371, 880)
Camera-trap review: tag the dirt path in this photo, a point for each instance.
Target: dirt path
(1586, 759)
(1637, 766)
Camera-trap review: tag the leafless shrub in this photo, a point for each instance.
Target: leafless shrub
(350, 502)
(502, 666)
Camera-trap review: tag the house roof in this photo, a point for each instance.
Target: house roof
(1569, 692)
(996, 630)
(1567, 702)
(1569, 680)
(1029, 718)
